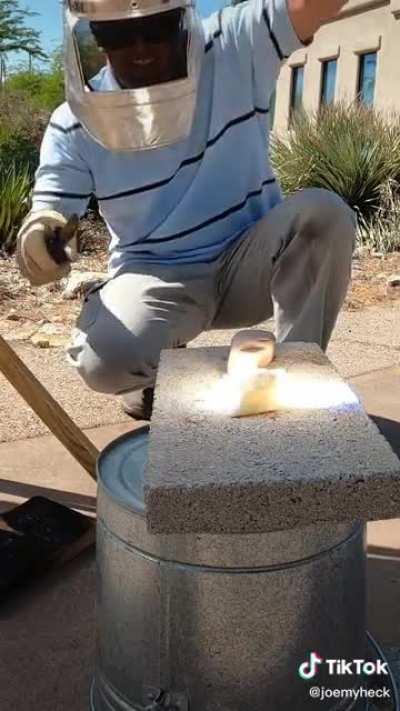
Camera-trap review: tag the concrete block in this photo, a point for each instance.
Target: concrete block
(318, 459)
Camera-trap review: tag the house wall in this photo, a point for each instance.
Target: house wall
(363, 26)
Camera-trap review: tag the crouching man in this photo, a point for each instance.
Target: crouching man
(166, 124)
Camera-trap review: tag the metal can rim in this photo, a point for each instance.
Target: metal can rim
(138, 506)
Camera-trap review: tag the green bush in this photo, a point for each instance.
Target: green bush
(17, 149)
(345, 148)
(45, 90)
(27, 99)
(15, 189)
(21, 131)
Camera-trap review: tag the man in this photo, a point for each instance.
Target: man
(166, 124)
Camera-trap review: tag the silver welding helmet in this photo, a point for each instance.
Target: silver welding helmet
(157, 108)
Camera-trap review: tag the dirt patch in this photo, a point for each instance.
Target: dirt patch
(369, 281)
(24, 309)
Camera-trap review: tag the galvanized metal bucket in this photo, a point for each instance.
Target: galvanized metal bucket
(218, 623)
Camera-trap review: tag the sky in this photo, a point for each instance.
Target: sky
(48, 21)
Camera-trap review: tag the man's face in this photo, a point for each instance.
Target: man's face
(145, 51)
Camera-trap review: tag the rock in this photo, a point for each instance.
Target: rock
(51, 341)
(393, 282)
(55, 286)
(51, 329)
(40, 341)
(361, 252)
(13, 315)
(24, 333)
(50, 335)
(80, 282)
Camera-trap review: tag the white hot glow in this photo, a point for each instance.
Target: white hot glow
(268, 390)
(303, 392)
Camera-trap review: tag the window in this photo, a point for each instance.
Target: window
(296, 92)
(367, 77)
(328, 82)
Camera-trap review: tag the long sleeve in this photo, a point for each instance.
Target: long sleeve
(261, 30)
(63, 180)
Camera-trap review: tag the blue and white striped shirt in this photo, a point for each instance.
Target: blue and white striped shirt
(186, 202)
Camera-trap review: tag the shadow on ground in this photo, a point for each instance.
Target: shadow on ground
(26, 491)
(384, 599)
(47, 641)
(390, 429)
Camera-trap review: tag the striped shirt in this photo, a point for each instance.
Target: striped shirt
(187, 202)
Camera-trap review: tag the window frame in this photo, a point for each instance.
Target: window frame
(324, 64)
(292, 107)
(359, 88)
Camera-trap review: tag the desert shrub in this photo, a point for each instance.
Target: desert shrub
(381, 232)
(27, 99)
(43, 89)
(21, 131)
(345, 148)
(15, 189)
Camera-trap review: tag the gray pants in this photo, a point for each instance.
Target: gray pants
(294, 263)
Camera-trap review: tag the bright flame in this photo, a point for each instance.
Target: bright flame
(251, 393)
(303, 392)
(267, 390)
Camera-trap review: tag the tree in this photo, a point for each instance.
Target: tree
(15, 35)
(43, 88)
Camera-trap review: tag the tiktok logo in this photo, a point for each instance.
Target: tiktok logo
(308, 670)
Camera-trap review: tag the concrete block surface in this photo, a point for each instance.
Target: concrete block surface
(318, 459)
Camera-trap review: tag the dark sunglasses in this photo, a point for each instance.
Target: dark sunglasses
(118, 34)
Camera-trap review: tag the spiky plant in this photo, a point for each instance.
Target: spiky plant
(15, 189)
(381, 233)
(345, 148)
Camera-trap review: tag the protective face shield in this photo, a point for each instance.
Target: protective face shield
(132, 70)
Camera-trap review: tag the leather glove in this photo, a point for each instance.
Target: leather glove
(46, 246)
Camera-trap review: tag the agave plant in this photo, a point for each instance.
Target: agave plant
(381, 233)
(15, 189)
(349, 149)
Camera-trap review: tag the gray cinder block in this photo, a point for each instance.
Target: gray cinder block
(210, 473)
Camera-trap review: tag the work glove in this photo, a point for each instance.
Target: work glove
(46, 246)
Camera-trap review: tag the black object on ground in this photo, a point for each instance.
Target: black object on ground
(39, 536)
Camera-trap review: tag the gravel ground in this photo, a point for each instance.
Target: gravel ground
(87, 408)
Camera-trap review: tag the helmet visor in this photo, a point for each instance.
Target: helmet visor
(138, 52)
